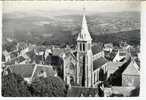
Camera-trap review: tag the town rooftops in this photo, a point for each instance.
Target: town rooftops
(99, 62)
(25, 70)
(31, 70)
(57, 51)
(16, 59)
(131, 69)
(113, 66)
(96, 48)
(48, 69)
(108, 45)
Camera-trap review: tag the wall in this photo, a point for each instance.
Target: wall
(130, 80)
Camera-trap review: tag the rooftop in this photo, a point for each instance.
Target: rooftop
(131, 69)
(99, 62)
(113, 66)
(28, 70)
(25, 70)
(96, 49)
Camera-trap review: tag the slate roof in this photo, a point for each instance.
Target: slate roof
(48, 69)
(18, 59)
(99, 62)
(96, 48)
(25, 70)
(77, 91)
(113, 66)
(131, 70)
(108, 45)
(58, 51)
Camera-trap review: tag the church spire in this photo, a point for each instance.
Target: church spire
(84, 35)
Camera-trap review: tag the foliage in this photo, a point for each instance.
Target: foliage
(14, 85)
(50, 86)
(9, 46)
(135, 92)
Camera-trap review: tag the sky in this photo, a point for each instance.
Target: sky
(66, 7)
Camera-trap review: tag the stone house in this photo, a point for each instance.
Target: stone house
(131, 75)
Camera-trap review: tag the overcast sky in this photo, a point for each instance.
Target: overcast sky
(67, 7)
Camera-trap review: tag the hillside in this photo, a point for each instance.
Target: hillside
(63, 29)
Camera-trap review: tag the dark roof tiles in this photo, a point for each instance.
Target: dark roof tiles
(25, 70)
(99, 62)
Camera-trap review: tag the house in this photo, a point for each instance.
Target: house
(31, 71)
(121, 54)
(112, 67)
(115, 70)
(131, 75)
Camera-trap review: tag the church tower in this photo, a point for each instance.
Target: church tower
(84, 56)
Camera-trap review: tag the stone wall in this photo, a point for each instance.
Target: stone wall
(130, 80)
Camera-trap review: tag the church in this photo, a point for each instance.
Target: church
(88, 65)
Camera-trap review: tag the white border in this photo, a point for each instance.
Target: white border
(143, 65)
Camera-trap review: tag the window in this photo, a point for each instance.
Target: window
(94, 77)
(80, 47)
(83, 47)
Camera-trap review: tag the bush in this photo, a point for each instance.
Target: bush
(50, 86)
(13, 85)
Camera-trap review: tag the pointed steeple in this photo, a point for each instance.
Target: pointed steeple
(84, 35)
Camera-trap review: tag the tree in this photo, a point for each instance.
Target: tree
(135, 92)
(13, 85)
(49, 87)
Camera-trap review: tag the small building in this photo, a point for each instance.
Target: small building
(112, 67)
(121, 54)
(131, 75)
(31, 71)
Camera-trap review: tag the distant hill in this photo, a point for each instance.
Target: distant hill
(39, 28)
(132, 37)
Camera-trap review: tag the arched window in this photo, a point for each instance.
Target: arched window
(80, 47)
(101, 75)
(71, 80)
(83, 47)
